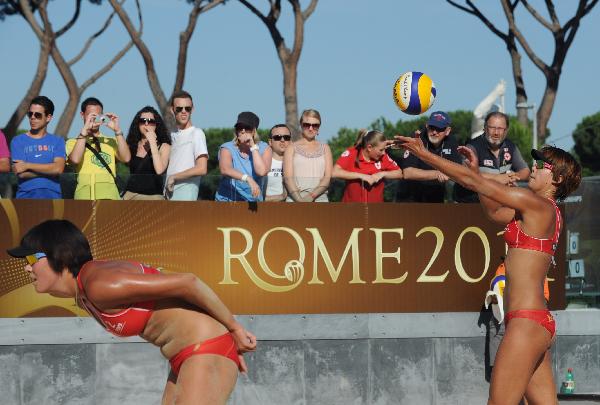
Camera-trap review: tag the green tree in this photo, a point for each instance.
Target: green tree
(522, 136)
(587, 144)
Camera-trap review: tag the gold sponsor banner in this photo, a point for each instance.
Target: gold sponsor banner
(278, 258)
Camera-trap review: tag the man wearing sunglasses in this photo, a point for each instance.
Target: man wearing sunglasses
(422, 183)
(499, 158)
(38, 156)
(188, 159)
(279, 139)
(93, 153)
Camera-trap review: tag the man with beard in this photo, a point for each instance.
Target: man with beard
(499, 158)
(422, 183)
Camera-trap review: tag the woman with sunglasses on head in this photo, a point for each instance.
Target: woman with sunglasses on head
(243, 162)
(150, 145)
(307, 163)
(175, 311)
(523, 367)
(364, 167)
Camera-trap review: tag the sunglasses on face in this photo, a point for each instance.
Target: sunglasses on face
(147, 121)
(34, 258)
(36, 114)
(180, 109)
(436, 129)
(308, 125)
(245, 128)
(540, 164)
(281, 137)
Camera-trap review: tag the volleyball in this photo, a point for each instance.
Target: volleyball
(414, 93)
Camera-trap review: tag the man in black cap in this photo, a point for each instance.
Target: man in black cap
(421, 182)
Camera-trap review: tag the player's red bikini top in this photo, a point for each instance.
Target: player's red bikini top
(516, 238)
(129, 322)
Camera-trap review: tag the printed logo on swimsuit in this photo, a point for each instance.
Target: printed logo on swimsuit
(118, 328)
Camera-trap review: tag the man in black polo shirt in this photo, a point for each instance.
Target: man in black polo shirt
(499, 158)
(422, 183)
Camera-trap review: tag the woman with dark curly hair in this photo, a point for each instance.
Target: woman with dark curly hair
(523, 367)
(150, 145)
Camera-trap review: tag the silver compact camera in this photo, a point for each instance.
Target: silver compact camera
(101, 119)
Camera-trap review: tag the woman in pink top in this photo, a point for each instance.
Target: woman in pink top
(307, 163)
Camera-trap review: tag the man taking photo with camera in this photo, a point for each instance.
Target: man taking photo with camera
(93, 154)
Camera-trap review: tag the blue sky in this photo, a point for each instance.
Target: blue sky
(353, 53)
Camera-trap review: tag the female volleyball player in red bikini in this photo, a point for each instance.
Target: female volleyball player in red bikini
(176, 312)
(533, 223)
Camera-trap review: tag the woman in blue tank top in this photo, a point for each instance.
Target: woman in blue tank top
(243, 162)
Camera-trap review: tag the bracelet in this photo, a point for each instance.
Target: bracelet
(245, 177)
(80, 136)
(120, 133)
(253, 148)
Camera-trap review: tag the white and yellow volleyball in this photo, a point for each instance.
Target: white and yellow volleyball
(414, 93)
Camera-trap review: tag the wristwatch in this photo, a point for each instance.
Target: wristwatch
(245, 177)
(119, 133)
(253, 148)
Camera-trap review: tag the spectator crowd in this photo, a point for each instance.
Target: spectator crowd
(171, 165)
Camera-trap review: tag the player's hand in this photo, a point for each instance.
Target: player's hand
(513, 178)
(414, 144)
(471, 160)
(245, 342)
(391, 143)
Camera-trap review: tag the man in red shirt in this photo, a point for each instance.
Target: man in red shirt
(364, 166)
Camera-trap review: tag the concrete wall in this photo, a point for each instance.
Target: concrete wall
(302, 359)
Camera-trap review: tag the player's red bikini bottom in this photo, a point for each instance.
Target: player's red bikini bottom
(223, 345)
(541, 316)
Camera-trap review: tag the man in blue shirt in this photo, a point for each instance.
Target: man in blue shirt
(38, 157)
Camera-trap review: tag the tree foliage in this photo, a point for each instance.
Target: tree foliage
(587, 144)
(563, 36)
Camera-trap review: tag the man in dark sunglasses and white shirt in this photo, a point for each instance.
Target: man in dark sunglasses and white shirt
(279, 139)
(38, 157)
(188, 160)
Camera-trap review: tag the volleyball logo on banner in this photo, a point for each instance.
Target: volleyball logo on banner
(414, 93)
